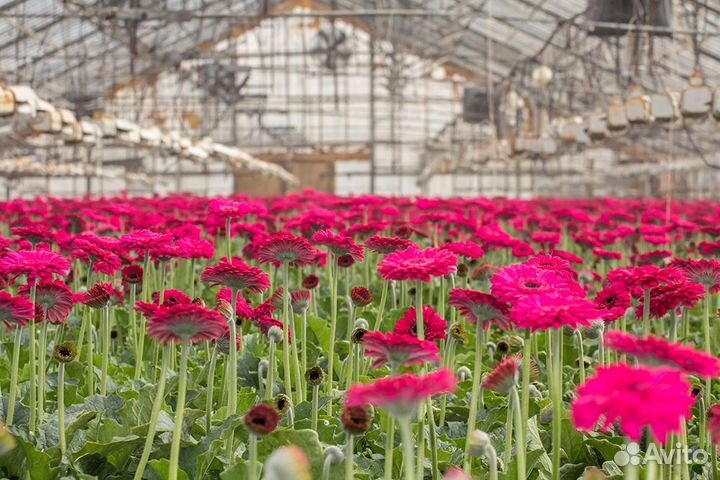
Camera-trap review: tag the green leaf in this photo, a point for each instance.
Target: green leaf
(27, 458)
(159, 469)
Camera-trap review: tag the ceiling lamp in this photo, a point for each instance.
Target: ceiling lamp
(617, 121)
(541, 76)
(637, 107)
(696, 98)
(664, 107)
(597, 126)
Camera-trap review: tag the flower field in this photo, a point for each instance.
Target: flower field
(318, 337)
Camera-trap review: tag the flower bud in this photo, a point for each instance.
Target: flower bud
(282, 403)
(357, 335)
(458, 332)
(334, 454)
(464, 374)
(362, 323)
(287, 463)
(275, 334)
(356, 420)
(263, 368)
(262, 419)
(361, 297)
(479, 444)
(65, 352)
(546, 415)
(314, 375)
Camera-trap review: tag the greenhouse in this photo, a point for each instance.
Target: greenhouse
(373, 240)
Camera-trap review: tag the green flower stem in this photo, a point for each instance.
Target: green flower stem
(315, 399)
(557, 337)
(180, 409)
(509, 430)
(646, 313)
(61, 407)
(233, 358)
(333, 328)
(381, 305)
(420, 328)
(389, 446)
(155, 414)
(492, 463)
(271, 373)
(90, 354)
(42, 363)
(228, 237)
(714, 456)
(448, 358)
(17, 345)
(299, 390)
(349, 456)
(252, 460)
(519, 433)
(105, 333)
(142, 333)
(581, 355)
(702, 422)
(303, 360)
(477, 375)
(133, 321)
(191, 278)
(708, 350)
(408, 450)
(287, 374)
(433, 440)
(33, 371)
(393, 284)
(525, 386)
(210, 389)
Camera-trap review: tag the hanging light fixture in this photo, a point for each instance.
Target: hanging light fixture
(696, 98)
(617, 121)
(637, 106)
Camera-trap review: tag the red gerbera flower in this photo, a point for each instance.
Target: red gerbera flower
(186, 322)
(469, 250)
(236, 275)
(96, 251)
(15, 310)
(518, 281)
(311, 281)
(640, 279)
(286, 248)
(655, 257)
(300, 300)
(143, 240)
(435, 326)
(606, 254)
(361, 296)
(570, 257)
(34, 232)
(635, 399)
(401, 395)
(226, 208)
(55, 299)
(194, 248)
(480, 307)
(543, 312)
(170, 298)
(673, 296)
(504, 376)
(132, 274)
(704, 272)
(98, 296)
(399, 349)
(654, 351)
(385, 245)
(613, 301)
(553, 263)
(35, 264)
(416, 264)
(339, 244)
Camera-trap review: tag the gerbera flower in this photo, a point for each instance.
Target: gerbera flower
(714, 423)
(54, 298)
(399, 349)
(553, 263)
(300, 300)
(504, 376)
(635, 399)
(15, 310)
(640, 279)
(416, 264)
(242, 307)
(98, 296)
(613, 301)
(143, 240)
(655, 257)
(339, 244)
(521, 280)
(96, 251)
(132, 274)
(550, 311)
(34, 232)
(606, 254)
(356, 420)
(546, 239)
(704, 272)
(469, 250)
(186, 322)
(35, 264)
(673, 296)
(262, 419)
(402, 395)
(194, 248)
(345, 261)
(311, 282)
(285, 248)
(480, 307)
(361, 297)
(654, 351)
(170, 298)
(236, 275)
(385, 245)
(567, 256)
(435, 326)
(233, 209)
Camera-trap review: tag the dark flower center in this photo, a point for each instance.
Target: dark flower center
(532, 285)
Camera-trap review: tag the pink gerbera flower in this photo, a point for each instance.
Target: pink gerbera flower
(98, 296)
(435, 326)
(504, 376)
(339, 244)
(480, 307)
(673, 296)
(15, 310)
(640, 279)
(553, 263)
(194, 248)
(55, 299)
(613, 301)
(385, 245)
(416, 264)
(285, 248)
(654, 351)
(35, 264)
(549, 311)
(300, 300)
(236, 275)
(96, 251)
(398, 349)
(186, 323)
(34, 233)
(704, 272)
(401, 395)
(469, 250)
(634, 399)
(143, 240)
(521, 280)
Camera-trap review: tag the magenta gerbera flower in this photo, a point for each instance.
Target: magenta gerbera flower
(435, 326)
(670, 297)
(416, 264)
(169, 298)
(398, 349)
(186, 322)
(469, 250)
(613, 301)
(143, 240)
(236, 275)
(704, 272)
(55, 299)
(550, 311)
(98, 296)
(35, 264)
(15, 310)
(385, 245)
(285, 248)
(554, 263)
(401, 395)
(34, 232)
(504, 376)
(640, 279)
(634, 399)
(339, 244)
(521, 280)
(654, 351)
(480, 307)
